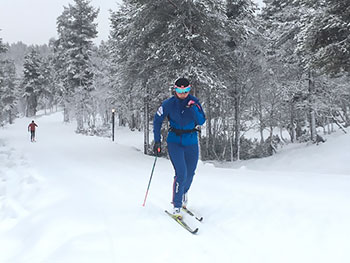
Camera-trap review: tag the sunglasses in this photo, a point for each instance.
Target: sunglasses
(182, 89)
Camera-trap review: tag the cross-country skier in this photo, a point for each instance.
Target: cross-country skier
(184, 113)
(31, 129)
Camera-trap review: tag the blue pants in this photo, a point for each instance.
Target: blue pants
(184, 160)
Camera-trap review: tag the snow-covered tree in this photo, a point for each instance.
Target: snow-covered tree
(327, 37)
(241, 26)
(76, 29)
(2, 46)
(102, 79)
(154, 43)
(7, 87)
(50, 90)
(32, 82)
(325, 45)
(285, 20)
(8, 90)
(296, 29)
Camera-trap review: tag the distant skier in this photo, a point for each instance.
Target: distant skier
(31, 129)
(184, 113)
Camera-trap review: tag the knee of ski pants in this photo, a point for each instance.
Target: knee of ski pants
(184, 160)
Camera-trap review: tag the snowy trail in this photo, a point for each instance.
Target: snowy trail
(73, 198)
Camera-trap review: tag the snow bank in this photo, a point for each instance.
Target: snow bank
(72, 198)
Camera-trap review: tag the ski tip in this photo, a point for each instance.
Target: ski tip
(195, 231)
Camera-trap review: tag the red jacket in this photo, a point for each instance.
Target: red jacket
(32, 126)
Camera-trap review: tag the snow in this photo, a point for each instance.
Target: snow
(74, 198)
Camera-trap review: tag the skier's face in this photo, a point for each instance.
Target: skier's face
(182, 92)
(182, 96)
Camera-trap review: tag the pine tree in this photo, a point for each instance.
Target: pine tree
(76, 29)
(2, 46)
(328, 37)
(324, 46)
(154, 43)
(286, 21)
(16, 53)
(241, 28)
(32, 82)
(49, 91)
(103, 100)
(8, 90)
(7, 87)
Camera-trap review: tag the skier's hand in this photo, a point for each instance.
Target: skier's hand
(190, 104)
(157, 148)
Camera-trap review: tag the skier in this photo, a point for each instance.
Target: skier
(31, 129)
(184, 113)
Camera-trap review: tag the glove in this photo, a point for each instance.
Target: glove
(190, 104)
(157, 149)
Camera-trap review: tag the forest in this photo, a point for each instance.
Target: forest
(280, 73)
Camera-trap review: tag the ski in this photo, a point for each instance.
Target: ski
(182, 223)
(192, 214)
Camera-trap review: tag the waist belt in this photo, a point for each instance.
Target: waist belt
(179, 132)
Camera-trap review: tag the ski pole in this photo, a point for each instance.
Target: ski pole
(150, 179)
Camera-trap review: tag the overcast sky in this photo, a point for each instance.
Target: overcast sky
(34, 21)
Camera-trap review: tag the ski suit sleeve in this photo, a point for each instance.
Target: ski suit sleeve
(198, 114)
(158, 120)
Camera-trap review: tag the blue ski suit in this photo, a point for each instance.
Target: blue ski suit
(182, 140)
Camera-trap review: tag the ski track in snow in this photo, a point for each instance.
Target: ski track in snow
(74, 198)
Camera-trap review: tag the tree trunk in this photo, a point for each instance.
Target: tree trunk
(292, 121)
(31, 102)
(80, 118)
(146, 121)
(261, 121)
(10, 116)
(232, 148)
(237, 126)
(328, 126)
(311, 108)
(66, 101)
(65, 114)
(208, 127)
